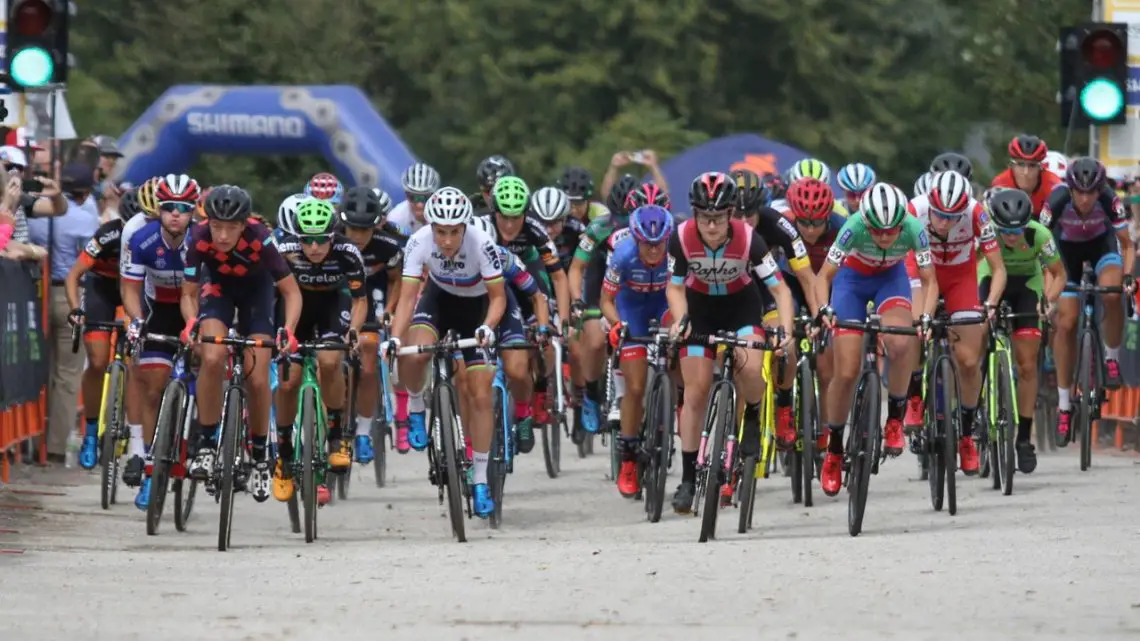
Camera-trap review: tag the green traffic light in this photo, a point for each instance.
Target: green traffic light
(1102, 100)
(31, 67)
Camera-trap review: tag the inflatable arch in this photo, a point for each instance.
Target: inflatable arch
(336, 121)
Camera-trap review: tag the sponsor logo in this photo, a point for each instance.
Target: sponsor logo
(246, 125)
(845, 237)
(306, 278)
(109, 237)
(923, 240)
(716, 271)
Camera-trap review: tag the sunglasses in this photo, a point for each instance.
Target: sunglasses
(944, 215)
(883, 232)
(811, 222)
(417, 198)
(177, 207)
(1015, 231)
(711, 217)
(316, 240)
(1025, 164)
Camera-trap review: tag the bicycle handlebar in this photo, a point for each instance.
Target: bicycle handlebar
(958, 322)
(239, 342)
(866, 325)
(77, 331)
(1085, 288)
(441, 346)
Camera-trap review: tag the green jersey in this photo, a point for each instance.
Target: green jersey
(600, 232)
(1034, 249)
(855, 247)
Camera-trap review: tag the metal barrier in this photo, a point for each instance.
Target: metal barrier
(23, 353)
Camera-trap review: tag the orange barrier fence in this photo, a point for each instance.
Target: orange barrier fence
(1120, 410)
(27, 420)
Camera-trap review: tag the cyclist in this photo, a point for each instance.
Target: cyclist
(1056, 163)
(1027, 247)
(287, 217)
(646, 158)
(1091, 226)
(1026, 155)
(715, 259)
(579, 188)
(952, 161)
(381, 247)
(153, 261)
(633, 295)
(232, 267)
(813, 168)
(419, 180)
(464, 292)
(751, 196)
(955, 222)
(550, 206)
(777, 188)
(325, 186)
(100, 299)
(866, 265)
(489, 171)
(855, 179)
(922, 184)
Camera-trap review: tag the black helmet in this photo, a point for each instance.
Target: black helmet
(360, 207)
(1010, 208)
(713, 191)
(491, 169)
(619, 192)
(775, 184)
(577, 183)
(1085, 174)
(129, 204)
(951, 161)
(228, 203)
(751, 194)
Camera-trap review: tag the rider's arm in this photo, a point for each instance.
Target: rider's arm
(496, 302)
(291, 296)
(988, 242)
(997, 277)
(412, 277)
(71, 284)
(548, 253)
(395, 285)
(575, 276)
(354, 275)
(541, 309)
(131, 291)
(189, 301)
(608, 305)
(929, 290)
(1054, 281)
(675, 291)
(823, 280)
(766, 270)
(1127, 250)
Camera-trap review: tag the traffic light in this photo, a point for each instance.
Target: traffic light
(1094, 74)
(37, 43)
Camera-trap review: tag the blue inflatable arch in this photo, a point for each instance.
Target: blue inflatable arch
(336, 121)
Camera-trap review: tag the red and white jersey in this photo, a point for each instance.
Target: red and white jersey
(957, 247)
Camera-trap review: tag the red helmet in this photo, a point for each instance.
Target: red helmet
(178, 188)
(1027, 148)
(324, 186)
(950, 192)
(647, 194)
(712, 191)
(810, 198)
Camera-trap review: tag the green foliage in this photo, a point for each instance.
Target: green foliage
(890, 82)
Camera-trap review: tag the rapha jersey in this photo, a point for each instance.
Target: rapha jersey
(152, 260)
(342, 267)
(957, 246)
(1108, 216)
(855, 247)
(725, 270)
(101, 253)
(466, 273)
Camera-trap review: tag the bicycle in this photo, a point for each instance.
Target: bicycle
(1090, 382)
(864, 446)
(342, 478)
(608, 439)
(113, 434)
(804, 457)
(383, 416)
(504, 440)
(761, 465)
(447, 463)
(659, 423)
(556, 409)
(1045, 414)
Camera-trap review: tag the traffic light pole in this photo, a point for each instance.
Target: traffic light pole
(1094, 140)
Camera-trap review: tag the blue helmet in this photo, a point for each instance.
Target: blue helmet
(856, 178)
(651, 224)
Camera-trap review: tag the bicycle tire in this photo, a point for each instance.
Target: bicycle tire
(950, 433)
(1088, 388)
(662, 429)
(231, 434)
(308, 459)
(721, 411)
(552, 447)
(936, 471)
(497, 466)
(866, 426)
(808, 427)
(1045, 416)
(185, 491)
(793, 472)
(109, 443)
(1007, 425)
(165, 449)
(747, 493)
(380, 437)
(443, 404)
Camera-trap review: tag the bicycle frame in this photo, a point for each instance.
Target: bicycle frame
(310, 382)
(506, 418)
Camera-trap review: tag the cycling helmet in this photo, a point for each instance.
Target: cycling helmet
(1010, 208)
(950, 192)
(811, 199)
(615, 201)
(777, 186)
(577, 183)
(129, 205)
(385, 201)
(360, 208)
(883, 206)
(510, 196)
(1027, 148)
(651, 224)
(420, 178)
(1056, 163)
(1085, 174)
(315, 217)
(448, 206)
(810, 168)
(922, 185)
(178, 188)
(287, 213)
(751, 194)
(487, 225)
(951, 161)
(147, 200)
(712, 191)
(325, 186)
(550, 204)
(491, 170)
(855, 178)
(647, 194)
(228, 203)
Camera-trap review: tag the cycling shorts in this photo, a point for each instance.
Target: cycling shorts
(325, 316)
(958, 287)
(100, 299)
(248, 301)
(1022, 293)
(441, 312)
(741, 313)
(1101, 253)
(799, 300)
(851, 291)
(637, 312)
(161, 318)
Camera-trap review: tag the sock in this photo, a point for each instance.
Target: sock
(1064, 403)
(579, 393)
(688, 467)
(334, 425)
(92, 428)
(401, 405)
(968, 420)
(416, 402)
(258, 449)
(619, 384)
(896, 407)
(540, 384)
(835, 441)
(208, 437)
(1112, 353)
(522, 410)
(628, 447)
(751, 410)
(1024, 423)
(285, 442)
(915, 387)
(783, 398)
(481, 459)
(363, 425)
(539, 403)
(138, 448)
(593, 390)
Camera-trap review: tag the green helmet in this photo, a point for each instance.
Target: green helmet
(315, 217)
(511, 196)
(810, 168)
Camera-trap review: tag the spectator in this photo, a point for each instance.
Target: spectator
(64, 238)
(48, 201)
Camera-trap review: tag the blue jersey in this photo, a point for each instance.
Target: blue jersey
(149, 258)
(639, 289)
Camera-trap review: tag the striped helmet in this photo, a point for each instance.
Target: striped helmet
(855, 178)
(810, 168)
(883, 206)
(178, 188)
(950, 192)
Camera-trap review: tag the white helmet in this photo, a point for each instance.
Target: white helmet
(883, 206)
(485, 223)
(922, 185)
(1056, 163)
(420, 178)
(385, 201)
(448, 206)
(550, 204)
(950, 192)
(287, 213)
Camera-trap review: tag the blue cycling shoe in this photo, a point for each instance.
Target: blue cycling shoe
(89, 452)
(590, 419)
(142, 499)
(484, 504)
(417, 431)
(364, 453)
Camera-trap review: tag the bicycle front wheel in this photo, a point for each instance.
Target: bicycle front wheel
(1007, 424)
(866, 427)
(231, 437)
(659, 441)
(933, 430)
(112, 417)
(308, 462)
(1087, 384)
(949, 428)
(808, 426)
(721, 411)
(443, 405)
(166, 449)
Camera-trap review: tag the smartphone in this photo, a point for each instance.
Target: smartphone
(638, 157)
(32, 186)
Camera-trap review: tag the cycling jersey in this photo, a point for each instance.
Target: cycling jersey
(1108, 216)
(403, 219)
(817, 251)
(152, 260)
(604, 231)
(101, 254)
(515, 273)
(779, 232)
(567, 241)
(129, 229)
(956, 248)
(465, 274)
(101, 286)
(1033, 250)
(1045, 186)
(638, 290)
(855, 247)
(595, 210)
(342, 267)
(532, 235)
